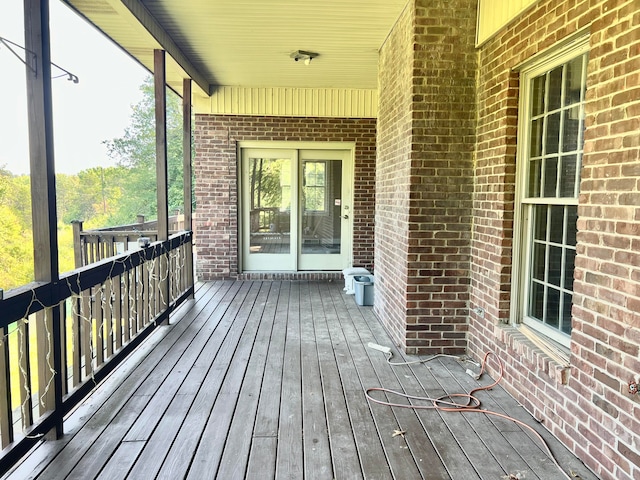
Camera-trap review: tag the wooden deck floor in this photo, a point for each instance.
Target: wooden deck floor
(266, 380)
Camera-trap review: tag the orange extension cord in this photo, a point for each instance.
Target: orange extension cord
(445, 403)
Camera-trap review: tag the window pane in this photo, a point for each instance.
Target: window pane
(536, 305)
(552, 139)
(568, 170)
(572, 218)
(570, 262)
(571, 128)
(536, 138)
(555, 114)
(556, 224)
(555, 265)
(550, 177)
(538, 262)
(540, 222)
(553, 308)
(573, 81)
(534, 178)
(567, 303)
(555, 89)
(537, 95)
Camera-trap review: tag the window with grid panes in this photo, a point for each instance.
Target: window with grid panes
(549, 161)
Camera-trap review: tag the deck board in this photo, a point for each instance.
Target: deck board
(342, 439)
(266, 380)
(233, 463)
(316, 448)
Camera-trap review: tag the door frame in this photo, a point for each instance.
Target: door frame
(348, 147)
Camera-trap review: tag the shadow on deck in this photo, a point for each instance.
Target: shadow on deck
(266, 380)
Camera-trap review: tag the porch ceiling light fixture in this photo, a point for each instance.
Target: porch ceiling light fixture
(304, 56)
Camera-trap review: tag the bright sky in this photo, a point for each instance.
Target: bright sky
(85, 114)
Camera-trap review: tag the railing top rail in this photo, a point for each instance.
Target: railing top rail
(19, 303)
(122, 233)
(138, 226)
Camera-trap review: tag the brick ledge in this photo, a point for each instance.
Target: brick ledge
(530, 345)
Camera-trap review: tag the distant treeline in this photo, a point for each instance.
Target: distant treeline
(99, 197)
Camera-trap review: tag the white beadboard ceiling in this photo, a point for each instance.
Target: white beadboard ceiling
(247, 43)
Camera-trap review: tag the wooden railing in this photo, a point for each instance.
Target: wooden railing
(60, 339)
(90, 246)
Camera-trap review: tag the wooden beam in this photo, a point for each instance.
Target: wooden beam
(137, 8)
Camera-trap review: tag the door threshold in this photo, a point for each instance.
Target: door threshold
(328, 276)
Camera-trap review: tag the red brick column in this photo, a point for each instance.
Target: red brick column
(424, 176)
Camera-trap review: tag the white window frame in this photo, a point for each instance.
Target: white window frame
(522, 256)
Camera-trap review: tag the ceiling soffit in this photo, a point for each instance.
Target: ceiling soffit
(248, 43)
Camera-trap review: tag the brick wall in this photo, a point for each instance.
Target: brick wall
(215, 165)
(424, 177)
(587, 406)
(393, 167)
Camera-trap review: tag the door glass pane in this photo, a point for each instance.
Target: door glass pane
(270, 205)
(321, 205)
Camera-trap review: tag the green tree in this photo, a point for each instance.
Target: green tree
(135, 151)
(16, 251)
(92, 196)
(17, 197)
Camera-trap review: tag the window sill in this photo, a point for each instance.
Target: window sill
(545, 354)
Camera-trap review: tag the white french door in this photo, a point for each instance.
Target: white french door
(295, 209)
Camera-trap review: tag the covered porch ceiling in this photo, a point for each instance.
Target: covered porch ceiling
(248, 43)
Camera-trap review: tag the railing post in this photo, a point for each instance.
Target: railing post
(77, 243)
(6, 414)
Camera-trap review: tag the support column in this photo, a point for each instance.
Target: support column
(159, 76)
(43, 197)
(187, 171)
(424, 175)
